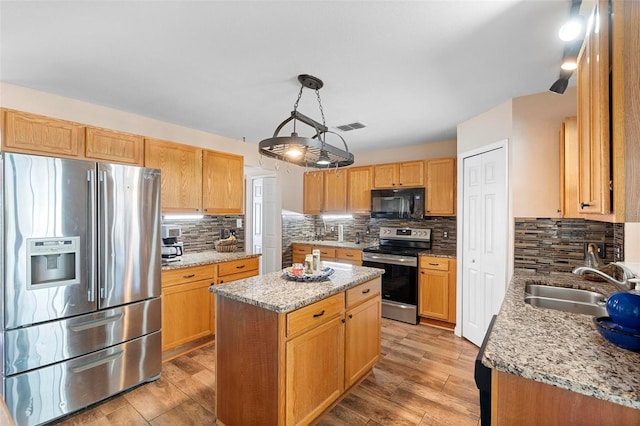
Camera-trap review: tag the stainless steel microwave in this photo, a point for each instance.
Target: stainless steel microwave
(406, 203)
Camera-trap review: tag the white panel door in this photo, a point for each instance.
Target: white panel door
(484, 241)
(271, 226)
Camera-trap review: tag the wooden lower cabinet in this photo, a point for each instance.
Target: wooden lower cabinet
(187, 311)
(188, 307)
(330, 254)
(362, 338)
(519, 401)
(315, 358)
(237, 270)
(437, 289)
(305, 361)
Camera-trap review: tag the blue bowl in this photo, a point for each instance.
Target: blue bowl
(624, 309)
(618, 335)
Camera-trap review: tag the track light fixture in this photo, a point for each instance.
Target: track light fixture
(572, 33)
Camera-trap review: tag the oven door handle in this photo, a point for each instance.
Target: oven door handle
(390, 260)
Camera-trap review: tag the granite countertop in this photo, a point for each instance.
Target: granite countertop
(449, 254)
(336, 244)
(275, 293)
(561, 348)
(206, 258)
(344, 244)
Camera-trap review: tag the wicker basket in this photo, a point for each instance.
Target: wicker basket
(226, 246)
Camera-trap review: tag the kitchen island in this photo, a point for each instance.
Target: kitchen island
(287, 351)
(552, 367)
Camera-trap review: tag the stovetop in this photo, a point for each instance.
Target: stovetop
(402, 241)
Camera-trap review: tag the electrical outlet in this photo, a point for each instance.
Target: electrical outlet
(601, 249)
(445, 234)
(238, 223)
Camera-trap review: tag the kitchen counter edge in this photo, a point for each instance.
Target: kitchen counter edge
(560, 348)
(275, 293)
(207, 258)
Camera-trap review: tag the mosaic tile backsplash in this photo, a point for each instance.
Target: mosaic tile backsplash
(310, 227)
(558, 245)
(200, 235)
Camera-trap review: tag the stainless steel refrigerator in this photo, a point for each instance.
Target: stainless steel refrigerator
(80, 306)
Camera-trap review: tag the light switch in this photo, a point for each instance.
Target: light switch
(238, 223)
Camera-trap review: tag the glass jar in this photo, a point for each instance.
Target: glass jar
(308, 264)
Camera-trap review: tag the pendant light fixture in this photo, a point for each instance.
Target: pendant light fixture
(305, 151)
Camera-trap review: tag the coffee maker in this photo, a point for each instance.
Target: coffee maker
(171, 247)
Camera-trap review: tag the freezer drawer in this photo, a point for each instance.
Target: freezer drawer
(43, 344)
(47, 393)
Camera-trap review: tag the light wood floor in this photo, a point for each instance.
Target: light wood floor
(424, 377)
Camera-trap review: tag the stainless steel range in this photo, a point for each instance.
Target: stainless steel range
(80, 301)
(397, 254)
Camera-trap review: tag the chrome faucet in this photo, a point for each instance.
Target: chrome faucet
(623, 285)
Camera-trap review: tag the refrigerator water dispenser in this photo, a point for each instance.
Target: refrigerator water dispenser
(52, 262)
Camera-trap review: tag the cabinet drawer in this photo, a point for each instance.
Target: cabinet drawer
(349, 254)
(301, 249)
(186, 275)
(363, 292)
(326, 252)
(237, 266)
(314, 314)
(438, 263)
(237, 276)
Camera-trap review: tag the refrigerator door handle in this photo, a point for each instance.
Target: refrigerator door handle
(103, 236)
(98, 362)
(96, 323)
(91, 285)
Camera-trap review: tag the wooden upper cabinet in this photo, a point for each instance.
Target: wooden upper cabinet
(411, 173)
(359, 184)
(112, 146)
(569, 168)
(441, 187)
(36, 134)
(313, 192)
(393, 175)
(223, 183)
(335, 191)
(594, 194)
(181, 167)
(384, 175)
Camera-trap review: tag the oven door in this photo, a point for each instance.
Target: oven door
(399, 286)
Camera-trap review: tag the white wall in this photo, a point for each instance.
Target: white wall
(407, 153)
(486, 128)
(531, 124)
(23, 99)
(535, 152)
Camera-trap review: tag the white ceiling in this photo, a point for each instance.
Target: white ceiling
(409, 70)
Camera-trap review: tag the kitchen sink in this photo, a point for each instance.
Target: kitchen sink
(566, 299)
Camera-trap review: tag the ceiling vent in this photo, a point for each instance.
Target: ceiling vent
(351, 126)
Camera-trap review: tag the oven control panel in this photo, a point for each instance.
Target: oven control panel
(414, 234)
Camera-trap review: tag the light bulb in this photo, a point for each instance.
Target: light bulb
(571, 30)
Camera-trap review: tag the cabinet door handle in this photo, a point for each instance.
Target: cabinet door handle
(583, 205)
(366, 291)
(343, 320)
(434, 264)
(189, 276)
(350, 316)
(221, 281)
(240, 267)
(349, 255)
(319, 315)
